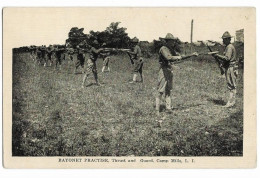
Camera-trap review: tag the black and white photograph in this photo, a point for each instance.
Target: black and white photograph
(131, 86)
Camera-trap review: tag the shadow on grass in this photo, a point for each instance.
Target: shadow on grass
(217, 101)
(163, 107)
(90, 84)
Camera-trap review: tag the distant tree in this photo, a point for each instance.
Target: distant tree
(76, 37)
(117, 36)
(114, 37)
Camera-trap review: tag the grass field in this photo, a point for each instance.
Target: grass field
(54, 116)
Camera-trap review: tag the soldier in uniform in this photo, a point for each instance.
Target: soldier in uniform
(59, 56)
(50, 51)
(33, 53)
(136, 60)
(38, 55)
(230, 64)
(165, 76)
(91, 63)
(106, 58)
(70, 52)
(80, 59)
(43, 55)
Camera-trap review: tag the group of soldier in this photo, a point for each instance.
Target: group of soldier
(227, 62)
(167, 57)
(51, 54)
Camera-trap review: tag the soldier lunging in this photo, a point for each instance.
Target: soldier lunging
(165, 76)
(91, 63)
(136, 60)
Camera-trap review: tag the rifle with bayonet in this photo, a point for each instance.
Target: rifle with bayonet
(115, 49)
(184, 58)
(121, 50)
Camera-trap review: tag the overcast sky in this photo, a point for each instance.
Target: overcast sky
(44, 26)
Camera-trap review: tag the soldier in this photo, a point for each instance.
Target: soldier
(80, 59)
(50, 51)
(106, 58)
(38, 55)
(70, 52)
(43, 54)
(58, 56)
(33, 53)
(91, 63)
(165, 76)
(136, 60)
(230, 64)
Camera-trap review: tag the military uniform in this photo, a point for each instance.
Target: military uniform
(231, 68)
(91, 64)
(80, 59)
(137, 60)
(58, 56)
(38, 55)
(165, 75)
(106, 58)
(231, 71)
(70, 52)
(33, 54)
(44, 56)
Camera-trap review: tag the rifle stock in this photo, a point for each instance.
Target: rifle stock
(220, 65)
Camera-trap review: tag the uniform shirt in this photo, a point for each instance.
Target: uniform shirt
(230, 55)
(136, 54)
(93, 54)
(164, 56)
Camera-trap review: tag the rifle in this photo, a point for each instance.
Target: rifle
(183, 58)
(219, 61)
(209, 53)
(122, 50)
(115, 49)
(130, 57)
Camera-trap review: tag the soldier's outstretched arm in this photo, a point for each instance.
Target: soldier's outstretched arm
(97, 51)
(167, 55)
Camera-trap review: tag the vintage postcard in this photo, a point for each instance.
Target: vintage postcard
(129, 87)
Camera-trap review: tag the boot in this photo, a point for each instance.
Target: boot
(84, 80)
(168, 101)
(134, 78)
(142, 79)
(96, 79)
(157, 105)
(82, 70)
(232, 99)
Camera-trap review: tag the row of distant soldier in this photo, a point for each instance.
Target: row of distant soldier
(45, 56)
(51, 54)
